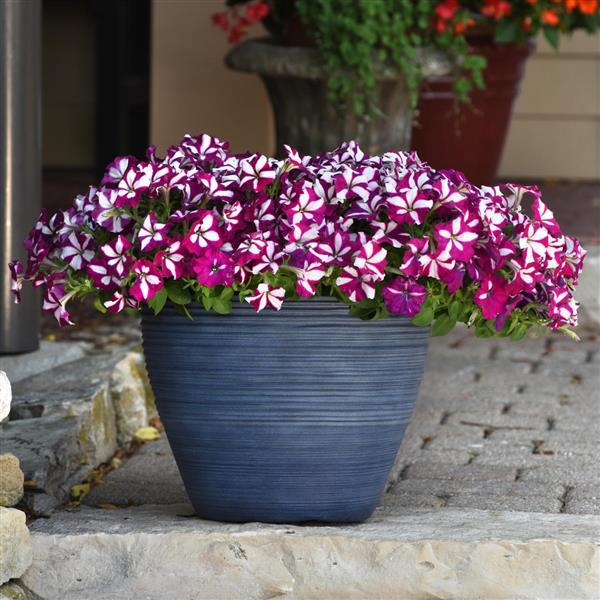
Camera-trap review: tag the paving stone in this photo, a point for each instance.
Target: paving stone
(571, 475)
(449, 487)
(539, 504)
(461, 345)
(152, 553)
(529, 349)
(149, 477)
(584, 506)
(474, 500)
(11, 480)
(472, 472)
(15, 546)
(5, 396)
(491, 419)
(585, 492)
(49, 356)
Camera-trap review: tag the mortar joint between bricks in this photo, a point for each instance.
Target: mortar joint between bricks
(565, 498)
(535, 365)
(548, 347)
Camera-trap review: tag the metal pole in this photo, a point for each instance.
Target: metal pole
(20, 162)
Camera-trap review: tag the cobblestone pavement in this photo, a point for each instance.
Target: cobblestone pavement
(506, 426)
(498, 426)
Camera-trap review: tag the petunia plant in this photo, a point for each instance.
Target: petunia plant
(387, 235)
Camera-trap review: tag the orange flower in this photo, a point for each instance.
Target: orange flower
(588, 7)
(550, 17)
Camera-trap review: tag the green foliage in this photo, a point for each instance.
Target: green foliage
(358, 38)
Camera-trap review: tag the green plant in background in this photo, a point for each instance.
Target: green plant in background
(359, 37)
(356, 38)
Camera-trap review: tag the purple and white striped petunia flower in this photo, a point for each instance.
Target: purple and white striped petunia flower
(266, 296)
(388, 229)
(203, 233)
(78, 250)
(148, 280)
(170, 261)
(116, 255)
(371, 260)
(108, 214)
(356, 285)
(308, 278)
(256, 173)
(152, 234)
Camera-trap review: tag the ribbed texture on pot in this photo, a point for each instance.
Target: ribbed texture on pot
(284, 417)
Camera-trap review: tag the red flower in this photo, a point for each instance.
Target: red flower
(257, 12)
(496, 9)
(220, 20)
(550, 17)
(446, 9)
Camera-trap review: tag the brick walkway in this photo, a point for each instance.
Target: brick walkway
(495, 496)
(506, 426)
(498, 426)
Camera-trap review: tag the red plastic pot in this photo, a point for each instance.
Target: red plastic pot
(472, 140)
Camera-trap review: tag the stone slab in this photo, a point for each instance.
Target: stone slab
(51, 454)
(149, 477)
(49, 356)
(11, 480)
(154, 552)
(5, 396)
(15, 546)
(71, 418)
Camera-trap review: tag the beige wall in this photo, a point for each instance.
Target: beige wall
(191, 89)
(556, 129)
(555, 133)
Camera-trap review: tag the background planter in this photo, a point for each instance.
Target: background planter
(284, 417)
(473, 140)
(304, 117)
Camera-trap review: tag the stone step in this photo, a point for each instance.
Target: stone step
(72, 417)
(161, 552)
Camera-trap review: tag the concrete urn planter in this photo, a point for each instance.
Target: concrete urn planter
(295, 79)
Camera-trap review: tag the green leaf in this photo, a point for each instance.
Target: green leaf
(485, 329)
(455, 309)
(424, 317)
(98, 305)
(443, 324)
(519, 332)
(158, 301)
(507, 30)
(223, 307)
(207, 302)
(551, 35)
(177, 293)
(364, 310)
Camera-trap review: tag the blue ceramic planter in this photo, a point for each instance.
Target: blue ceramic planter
(284, 417)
